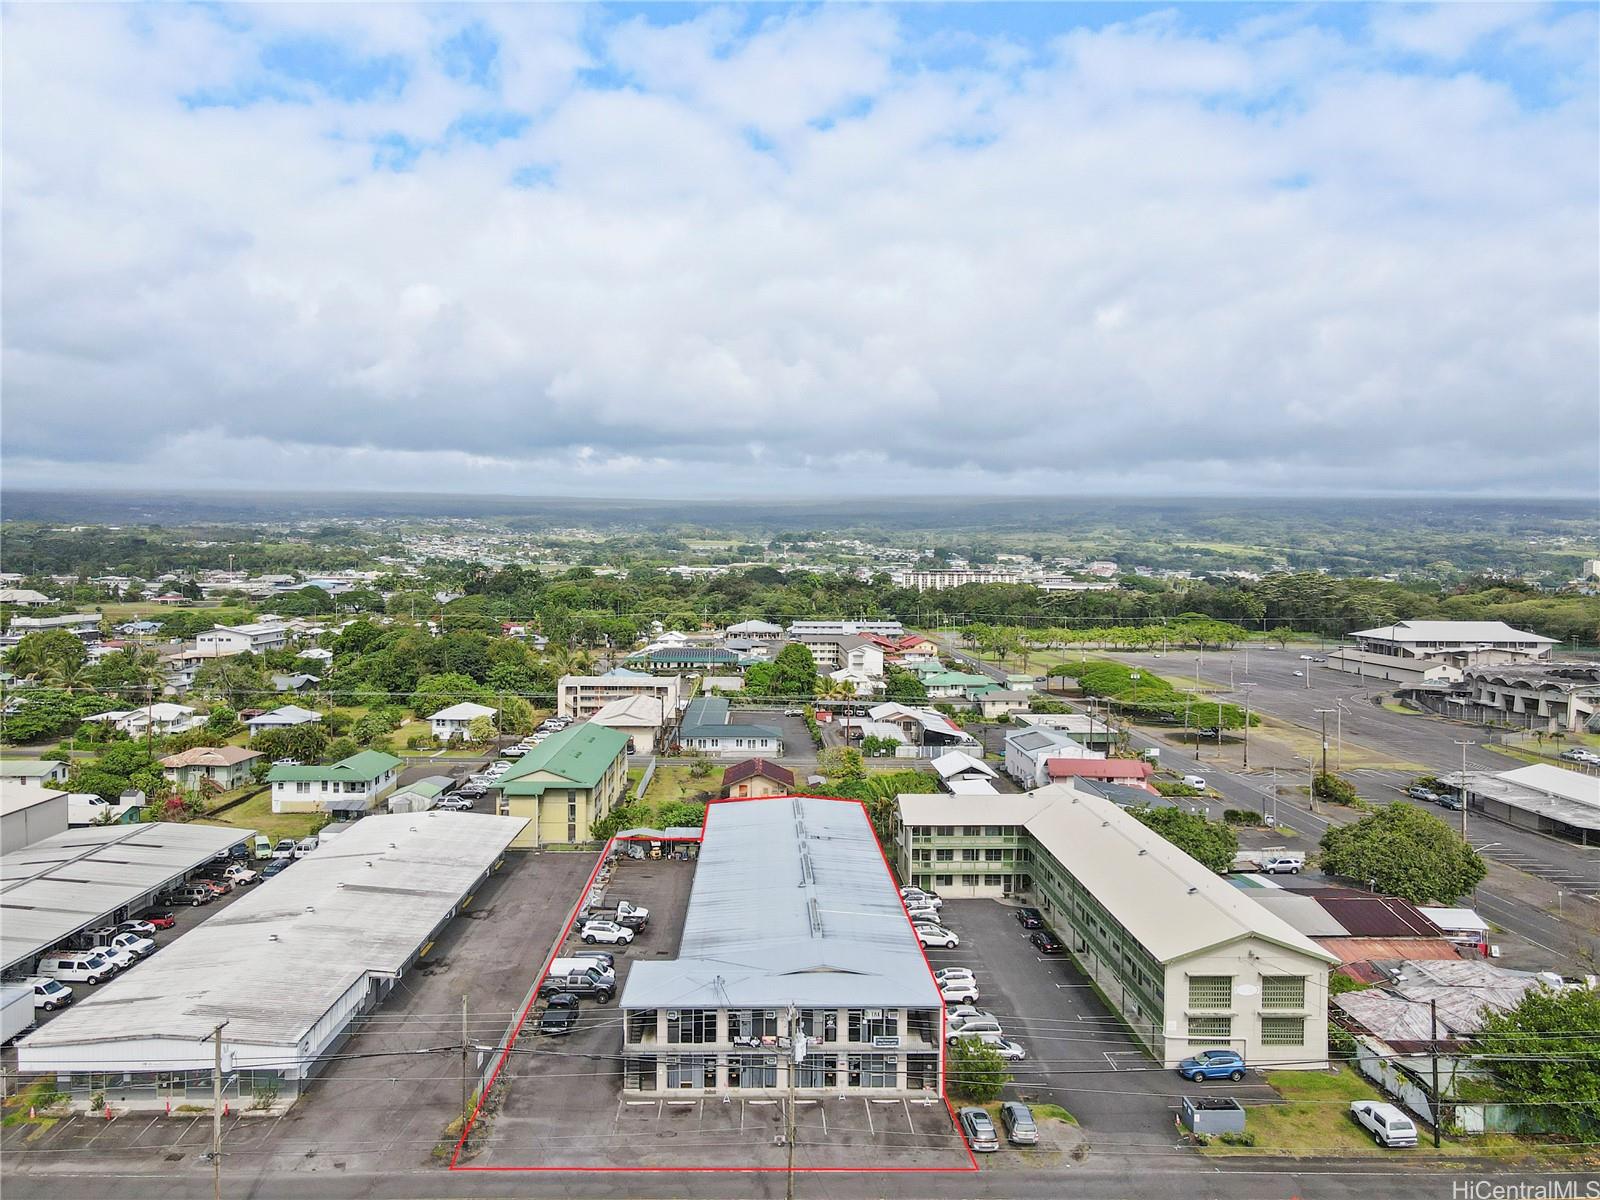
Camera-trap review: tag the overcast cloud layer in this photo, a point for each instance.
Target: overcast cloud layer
(573, 250)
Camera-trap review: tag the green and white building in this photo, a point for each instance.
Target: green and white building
(1188, 960)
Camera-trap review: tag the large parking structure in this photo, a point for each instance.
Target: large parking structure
(283, 971)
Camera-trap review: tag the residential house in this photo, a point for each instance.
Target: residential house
(957, 766)
(957, 686)
(456, 721)
(317, 654)
(347, 788)
(1087, 729)
(1188, 960)
(225, 767)
(1001, 702)
(640, 717)
(915, 726)
(1131, 772)
(565, 784)
(298, 684)
(158, 719)
(257, 638)
(757, 777)
(1028, 748)
(24, 598)
(706, 727)
(85, 809)
(286, 717)
(33, 770)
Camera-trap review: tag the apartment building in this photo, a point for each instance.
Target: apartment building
(581, 696)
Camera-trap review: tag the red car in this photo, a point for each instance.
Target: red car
(161, 920)
(219, 886)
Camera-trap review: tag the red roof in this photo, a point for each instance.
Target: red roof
(1098, 768)
(752, 767)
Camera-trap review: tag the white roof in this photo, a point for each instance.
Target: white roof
(1557, 781)
(958, 762)
(1453, 920)
(631, 711)
(289, 714)
(17, 795)
(278, 958)
(755, 627)
(1451, 631)
(465, 711)
(792, 903)
(64, 883)
(938, 808)
(971, 787)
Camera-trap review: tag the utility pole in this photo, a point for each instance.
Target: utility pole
(1323, 713)
(1246, 689)
(1464, 746)
(216, 1113)
(1433, 1016)
(797, 1054)
(464, 1096)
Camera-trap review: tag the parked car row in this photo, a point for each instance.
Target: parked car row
(1016, 1118)
(1428, 796)
(1580, 755)
(923, 909)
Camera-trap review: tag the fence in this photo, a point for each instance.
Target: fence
(644, 780)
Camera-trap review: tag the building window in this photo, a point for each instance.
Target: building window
(693, 1025)
(869, 1023)
(945, 830)
(817, 1071)
(873, 1071)
(1211, 1030)
(753, 1023)
(922, 1072)
(969, 856)
(994, 881)
(994, 831)
(820, 1024)
(944, 880)
(692, 1071)
(303, 788)
(993, 855)
(944, 855)
(1283, 991)
(972, 831)
(969, 881)
(1211, 991)
(1283, 1031)
(639, 1074)
(752, 1070)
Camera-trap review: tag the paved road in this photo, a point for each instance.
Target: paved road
(1570, 946)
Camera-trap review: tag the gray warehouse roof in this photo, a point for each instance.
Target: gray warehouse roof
(51, 889)
(279, 958)
(792, 903)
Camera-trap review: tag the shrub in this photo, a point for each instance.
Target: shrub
(1241, 816)
(1242, 1138)
(1330, 787)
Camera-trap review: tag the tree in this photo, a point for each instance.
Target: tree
(794, 672)
(700, 768)
(1403, 851)
(1330, 787)
(681, 812)
(904, 686)
(758, 678)
(623, 816)
(434, 692)
(1210, 843)
(1546, 1052)
(46, 654)
(222, 721)
(841, 762)
(878, 747)
(975, 1071)
(481, 730)
(306, 742)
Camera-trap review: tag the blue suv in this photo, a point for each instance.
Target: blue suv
(1212, 1064)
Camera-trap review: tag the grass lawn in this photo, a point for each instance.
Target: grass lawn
(1293, 740)
(674, 783)
(1315, 1120)
(256, 813)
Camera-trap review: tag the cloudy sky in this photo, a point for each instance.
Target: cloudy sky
(666, 250)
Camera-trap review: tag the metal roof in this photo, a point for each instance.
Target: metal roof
(1375, 916)
(362, 767)
(1174, 906)
(276, 960)
(577, 756)
(958, 762)
(1451, 631)
(1299, 910)
(1535, 793)
(71, 881)
(792, 903)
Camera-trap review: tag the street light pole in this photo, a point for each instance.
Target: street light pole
(1323, 713)
(1464, 746)
(1246, 689)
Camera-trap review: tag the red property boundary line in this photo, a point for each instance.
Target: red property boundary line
(505, 1055)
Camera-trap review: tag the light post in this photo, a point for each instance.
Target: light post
(1464, 746)
(1246, 690)
(1323, 713)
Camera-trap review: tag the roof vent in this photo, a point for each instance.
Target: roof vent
(272, 937)
(311, 908)
(1142, 853)
(1193, 890)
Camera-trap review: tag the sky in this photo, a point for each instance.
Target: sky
(674, 250)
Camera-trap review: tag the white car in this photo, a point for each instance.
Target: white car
(1386, 1123)
(50, 994)
(606, 931)
(1007, 1049)
(913, 895)
(133, 943)
(959, 991)
(921, 915)
(933, 935)
(453, 804)
(119, 958)
(965, 1012)
(944, 973)
(986, 1030)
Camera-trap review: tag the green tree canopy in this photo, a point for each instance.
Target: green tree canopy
(794, 672)
(441, 691)
(1546, 1052)
(1403, 851)
(1210, 843)
(975, 1071)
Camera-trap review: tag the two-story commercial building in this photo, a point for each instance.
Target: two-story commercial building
(1456, 643)
(347, 788)
(565, 784)
(1187, 959)
(794, 929)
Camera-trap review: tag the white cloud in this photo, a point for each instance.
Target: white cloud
(1141, 254)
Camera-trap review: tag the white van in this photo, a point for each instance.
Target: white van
(78, 966)
(1386, 1123)
(1198, 782)
(305, 846)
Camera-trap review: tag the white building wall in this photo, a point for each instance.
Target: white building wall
(1246, 962)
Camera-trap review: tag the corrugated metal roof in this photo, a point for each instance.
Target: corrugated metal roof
(64, 883)
(1300, 910)
(579, 755)
(792, 903)
(278, 958)
(1451, 631)
(1386, 949)
(1376, 916)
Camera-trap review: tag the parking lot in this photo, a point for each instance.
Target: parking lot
(560, 1101)
(1080, 1055)
(396, 1085)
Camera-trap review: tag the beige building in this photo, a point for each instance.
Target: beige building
(565, 784)
(1189, 961)
(581, 696)
(641, 718)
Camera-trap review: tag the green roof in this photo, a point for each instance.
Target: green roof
(578, 756)
(26, 768)
(956, 679)
(368, 764)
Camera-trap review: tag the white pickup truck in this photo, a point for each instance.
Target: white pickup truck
(1273, 860)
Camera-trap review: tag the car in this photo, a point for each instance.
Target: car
(241, 875)
(305, 846)
(922, 916)
(50, 994)
(915, 895)
(975, 1028)
(471, 791)
(934, 935)
(119, 958)
(286, 762)
(453, 804)
(1307, 658)
(1213, 1064)
(604, 958)
(1385, 1122)
(219, 887)
(276, 867)
(77, 966)
(1030, 918)
(1418, 792)
(284, 848)
(1450, 801)
(560, 1015)
(606, 931)
(1006, 1049)
(514, 751)
(979, 1130)
(1299, 674)
(139, 947)
(963, 1015)
(959, 991)
(192, 894)
(1197, 782)
(1045, 943)
(944, 973)
(1317, 658)
(1016, 1118)
(159, 918)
